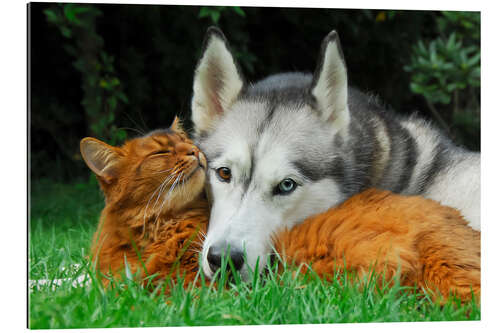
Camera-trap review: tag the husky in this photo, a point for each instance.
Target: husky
(296, 144)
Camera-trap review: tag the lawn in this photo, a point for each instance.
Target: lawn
(63, 219)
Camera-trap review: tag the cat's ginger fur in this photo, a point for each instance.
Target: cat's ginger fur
(427, 244)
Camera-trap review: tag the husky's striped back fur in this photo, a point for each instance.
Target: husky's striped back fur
(295, 144)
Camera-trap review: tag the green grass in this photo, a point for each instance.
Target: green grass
(63, 218)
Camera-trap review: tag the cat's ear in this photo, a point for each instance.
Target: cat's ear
(217, 82)
(329, 84)
(177, 125)
(101, 158)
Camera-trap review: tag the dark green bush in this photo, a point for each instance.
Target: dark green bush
(446, 71)
(102, 92)
(105, 69)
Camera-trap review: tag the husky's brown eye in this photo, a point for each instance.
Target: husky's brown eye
(224, 174)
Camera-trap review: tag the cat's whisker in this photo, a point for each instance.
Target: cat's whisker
(133, 129)
(202, 234)
(200, 241)
(159, 190)
(162, 188)
(172, 187)
(200, 244)
(155, 173)
(145, 211)
(176, 182)
(183, 188)
(194, 251)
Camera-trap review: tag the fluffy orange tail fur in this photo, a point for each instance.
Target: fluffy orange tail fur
(428, 244)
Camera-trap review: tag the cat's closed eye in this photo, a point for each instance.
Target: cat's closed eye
(160, 152)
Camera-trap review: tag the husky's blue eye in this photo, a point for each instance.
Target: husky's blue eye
(286, 186)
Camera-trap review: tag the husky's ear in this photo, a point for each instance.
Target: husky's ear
(101, 158)
(329, 85)
(217, 82)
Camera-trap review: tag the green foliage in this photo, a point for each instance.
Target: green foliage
(442, 67)
(465, 24)
(103, 93)
(446, 71)
(215, 12)
(241, 52)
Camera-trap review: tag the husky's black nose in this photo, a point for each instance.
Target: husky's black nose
(215, 254)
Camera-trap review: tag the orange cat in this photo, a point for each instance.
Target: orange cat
(431, 245)
(155, 205)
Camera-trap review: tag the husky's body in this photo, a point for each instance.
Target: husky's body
(297, 144)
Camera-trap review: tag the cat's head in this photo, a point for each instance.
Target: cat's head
(162, 170)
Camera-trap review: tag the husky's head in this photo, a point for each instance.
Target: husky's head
(273, 149)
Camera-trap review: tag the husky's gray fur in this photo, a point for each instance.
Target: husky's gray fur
(331, 141)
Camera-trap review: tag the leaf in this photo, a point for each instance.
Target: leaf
(120, 135)
(112, 102)
(121, 96)
(451, 41)
(445, 99)
(103, 84)
(432, 49)
(204, 12)
(69, 13)
(474, 60)
(239, 11)
(66, 32)
(51, 16)
(451, 86)
(421, 46)
(215, 16)
(416, 88)
(115, 82)
(80, 10)
(447, 66)
(128, 272)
